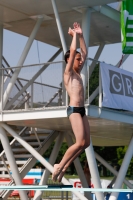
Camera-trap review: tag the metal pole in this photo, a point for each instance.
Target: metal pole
(89, 151)
(101, 160)
(59, 26)
(86, 32)
(1, 71)
(94, 170)
(52, 159)
(64, 92)
(100, 90)
(21, 60)
(12, 163)
(37, 156)
(123, 60)
(27, 101)
(32, 80)
(88, 101)
(79, 168)
(98, 53)
(32, 94)
(123, 170)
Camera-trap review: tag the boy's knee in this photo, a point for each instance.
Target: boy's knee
(81, 145)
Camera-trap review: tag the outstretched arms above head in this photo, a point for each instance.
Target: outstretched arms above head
(70, 60)
(83, 47)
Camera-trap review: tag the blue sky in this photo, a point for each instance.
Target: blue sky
(14, 45)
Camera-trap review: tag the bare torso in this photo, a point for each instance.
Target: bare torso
(74, 86)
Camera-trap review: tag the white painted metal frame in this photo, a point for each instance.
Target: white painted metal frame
(96, 57)
(37, 156)
(10, 157)
(59, 26)
(52, 159)
(94, 170)
(89, 151)
(109, 167)
(33, 79)
(21, 60)
(79, 168)
(86, 15)
(123, 170)
(1, 71)
(104, 113)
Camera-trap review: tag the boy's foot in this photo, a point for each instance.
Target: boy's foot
(56, 172)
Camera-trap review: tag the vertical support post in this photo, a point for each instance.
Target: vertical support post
(100, 90)
(66, 98)
(79, 169)
(27, 101)
(94, 170)
(32, 94)
(98, 53)
(123, 170)
(86, 31)
(21, 60)
(37, 156)
(1, 71)
(12, 163)
(59, 26)
(33, 79)
(62, 38)
(88, 88)
(52, 159)
(64, 92)
(59, 98)
(109, 167)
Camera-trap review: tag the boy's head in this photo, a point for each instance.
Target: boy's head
(67, 55)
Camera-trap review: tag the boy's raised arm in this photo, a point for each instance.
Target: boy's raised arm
(69, 65)
(83, 48)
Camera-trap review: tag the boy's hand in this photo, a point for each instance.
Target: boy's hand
(71, 31)
(77, 28)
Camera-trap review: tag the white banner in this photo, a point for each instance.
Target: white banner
(117, 87)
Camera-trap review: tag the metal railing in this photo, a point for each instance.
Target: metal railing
(28, 88)
(63, 195)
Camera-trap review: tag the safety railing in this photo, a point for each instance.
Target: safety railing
(39, 86)
(117, 193)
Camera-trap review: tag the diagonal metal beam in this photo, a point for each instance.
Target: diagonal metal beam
(122, 60)
(62, 38)
(32, 161)
(98, 53)
(21, 60)
(123, 170)
(32, 80)
(108, 11)
(11, 159)
(110, 168)
(37, 156)
(52, 159)
(79, 168)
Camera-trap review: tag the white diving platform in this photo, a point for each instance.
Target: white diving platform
(34, 122)
(108, 127)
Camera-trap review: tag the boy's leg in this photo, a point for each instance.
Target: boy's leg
(79, 132)
(87, 139)
(87, 130)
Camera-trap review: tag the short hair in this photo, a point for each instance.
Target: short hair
(67, 55)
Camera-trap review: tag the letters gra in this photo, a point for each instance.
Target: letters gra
(121, 84)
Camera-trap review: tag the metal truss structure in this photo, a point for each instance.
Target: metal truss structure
(34, 125)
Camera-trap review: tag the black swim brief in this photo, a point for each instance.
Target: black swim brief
(80, 110)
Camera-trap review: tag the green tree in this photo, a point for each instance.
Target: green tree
(120, 154)
(93, 84)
